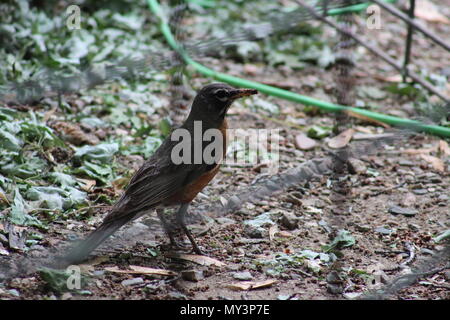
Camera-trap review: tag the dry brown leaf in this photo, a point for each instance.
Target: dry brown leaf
(3, 251)
(444, 148)
(341, 140)
(285, 234)
(87, 184)
(367, 119)
(272, 231)
(362, 129)
(428, 11)
(97, 260)
(120, 184)
(202, 260)
(251, 285)
(437, 163)
(142, 270)
(393, 78)
(48, 114)
(73, 133)
(86, 268)
(3, 198)
(422, 151)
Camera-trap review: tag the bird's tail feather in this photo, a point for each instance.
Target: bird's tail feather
(81, 250)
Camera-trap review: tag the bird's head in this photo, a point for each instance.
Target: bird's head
(213, 101)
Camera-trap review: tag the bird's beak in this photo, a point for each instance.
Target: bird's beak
(239, 93)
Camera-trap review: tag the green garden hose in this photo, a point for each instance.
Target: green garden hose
(288, 95)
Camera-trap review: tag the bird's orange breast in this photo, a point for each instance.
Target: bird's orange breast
(191, 190)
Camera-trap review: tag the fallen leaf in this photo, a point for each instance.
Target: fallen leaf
(87, 184)
(142, 270)
(202, 260)
(272, 231)
(86, 268)
(120, 184)
(364, 129)
(3, 251)
(73, 133)
(444, 148)
(251, 285)
(409, 200)
(436, 163)
(17, 237)
(367, 119)
(341, 140)
(428, 11)
(3, 198)
(393, 78)
(372, 136)
(303, 142)
(97, 260)
(422, 151)
(285, 234)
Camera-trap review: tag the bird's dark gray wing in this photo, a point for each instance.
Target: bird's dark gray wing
(158, 179)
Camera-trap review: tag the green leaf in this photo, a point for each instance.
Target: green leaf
(58, 280)
(41, 133)
(146, 148)
(56, 198)
(33, 167)
(319, 132)
(442, 236)
(8, 114)
(19, 212)
(343, 239)
(62, 179)
(102, 153)
(10, 142)
(265, 105)
(48, 197)
(101, 173)
(165, 127)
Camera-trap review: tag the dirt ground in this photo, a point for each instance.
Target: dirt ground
(299, 218)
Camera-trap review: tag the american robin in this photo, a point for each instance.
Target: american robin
(161, 181)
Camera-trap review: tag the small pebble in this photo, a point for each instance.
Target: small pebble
(176, 296)
(192, 275)
(14, 292)
(243, 275)
(334, 288)
(420, 191)
(403, 211)
(426, 251)
(289, 220)
(66, 296)
(352, 295)
(383, 230)
(132, 282)
(99, 273)
(447, 275)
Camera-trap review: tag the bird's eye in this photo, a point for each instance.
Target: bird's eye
(221, 94)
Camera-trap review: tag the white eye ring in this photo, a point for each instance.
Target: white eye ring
(221, 94)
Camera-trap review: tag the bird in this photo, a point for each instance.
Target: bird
(162, 182)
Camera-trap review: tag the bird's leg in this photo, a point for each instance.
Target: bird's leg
(166, 226)
(181, 213)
